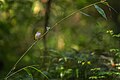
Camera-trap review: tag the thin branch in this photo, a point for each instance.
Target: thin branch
(9, 73)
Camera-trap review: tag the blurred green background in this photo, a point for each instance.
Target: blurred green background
(83, 47)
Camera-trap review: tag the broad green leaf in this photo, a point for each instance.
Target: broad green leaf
(101, 11)
(39, 71)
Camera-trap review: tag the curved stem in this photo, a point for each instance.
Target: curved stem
(19, 71)
(9, 73)
(58, 22)
(13, 68)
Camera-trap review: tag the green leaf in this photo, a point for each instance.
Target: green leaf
(39, 71)
(84, 14)
(27, 70)
(101, 11)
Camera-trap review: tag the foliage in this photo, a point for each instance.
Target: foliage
(82, 45)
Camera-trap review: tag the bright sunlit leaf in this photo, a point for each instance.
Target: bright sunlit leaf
(37, 7)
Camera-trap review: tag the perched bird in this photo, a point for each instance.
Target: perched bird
(37, 36)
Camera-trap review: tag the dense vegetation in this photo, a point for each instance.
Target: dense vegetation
(59, 40)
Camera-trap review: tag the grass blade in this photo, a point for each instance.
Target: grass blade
(85, 14)
(29, 73)
(39, 71)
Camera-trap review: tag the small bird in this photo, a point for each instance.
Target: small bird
(37, 36)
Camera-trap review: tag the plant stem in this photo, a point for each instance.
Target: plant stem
(13, 68)
(18, 71)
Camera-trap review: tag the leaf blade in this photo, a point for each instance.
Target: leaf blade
(28, 72)
(85, 14)
(101, 11)
(39, 71)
